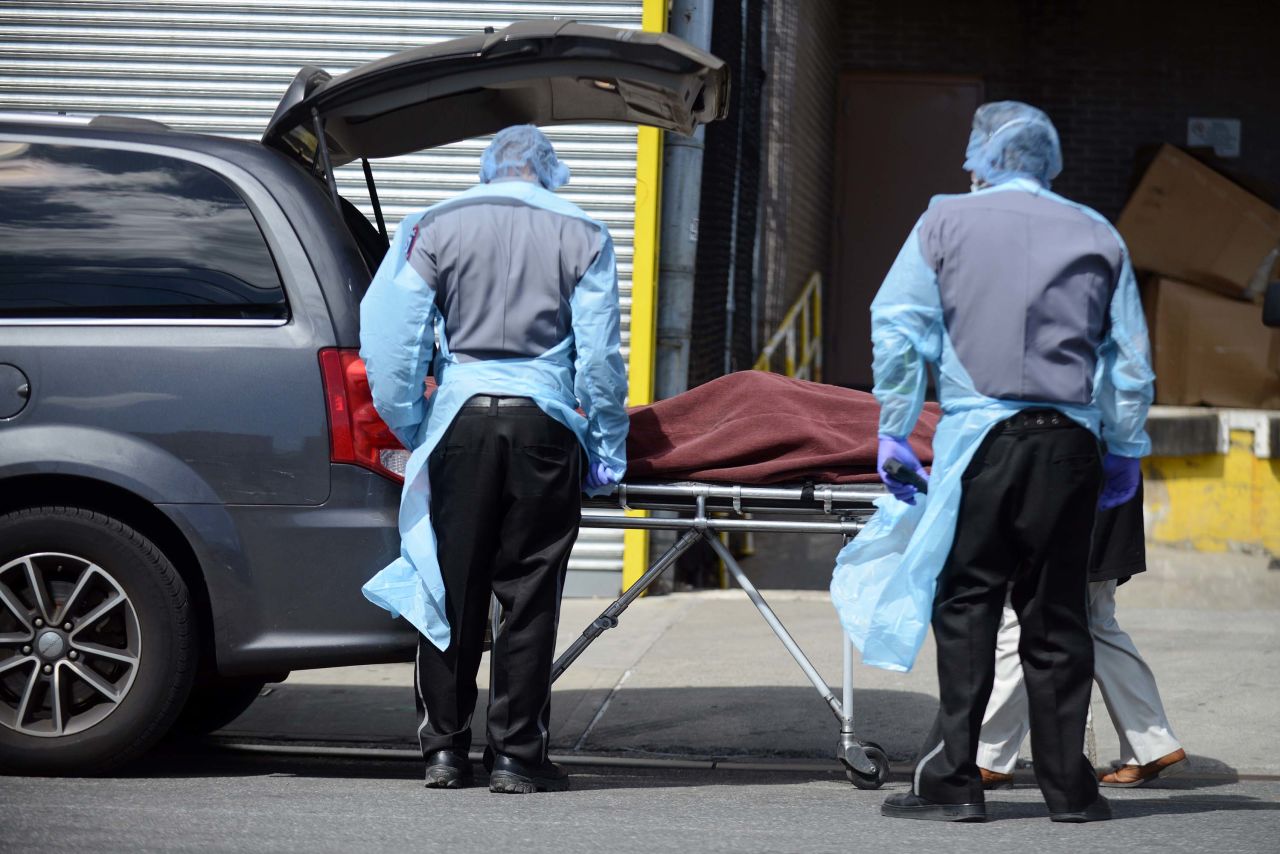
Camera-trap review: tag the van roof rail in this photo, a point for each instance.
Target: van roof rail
(127, 123)
(100, 121)
(43, 118)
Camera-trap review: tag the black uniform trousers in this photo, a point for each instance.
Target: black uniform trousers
(506, 489)
(1026, 517)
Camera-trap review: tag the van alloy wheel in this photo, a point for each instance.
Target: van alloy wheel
(70, 644)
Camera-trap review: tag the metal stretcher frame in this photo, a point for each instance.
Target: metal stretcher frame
(703, 511)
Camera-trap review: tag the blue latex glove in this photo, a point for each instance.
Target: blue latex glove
(598, 475)
(1120, 478)
(894, 448)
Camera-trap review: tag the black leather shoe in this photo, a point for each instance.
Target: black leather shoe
(513, 777)
(911, 805)
(1099, 810)
(448, 769)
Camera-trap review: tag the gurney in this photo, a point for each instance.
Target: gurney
(710, 459)
(702, 511)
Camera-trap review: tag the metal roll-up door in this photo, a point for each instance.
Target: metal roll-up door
(220, 66)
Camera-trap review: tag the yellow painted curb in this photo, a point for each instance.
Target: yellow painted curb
(1215, 503)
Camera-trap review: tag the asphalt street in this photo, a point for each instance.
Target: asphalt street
(216, 800)
(688, 728)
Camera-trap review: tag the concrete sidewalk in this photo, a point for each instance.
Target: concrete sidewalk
(700, 676)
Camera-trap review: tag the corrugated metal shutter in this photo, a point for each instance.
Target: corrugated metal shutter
(220, 66)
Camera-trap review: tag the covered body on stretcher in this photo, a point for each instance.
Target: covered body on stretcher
(755, 428)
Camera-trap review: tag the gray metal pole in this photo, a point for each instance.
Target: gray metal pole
(731, 297)
(678, 244)
(681, 199)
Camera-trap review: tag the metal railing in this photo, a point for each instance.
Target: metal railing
(799, 337)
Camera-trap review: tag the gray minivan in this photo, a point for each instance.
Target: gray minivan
(193, 481)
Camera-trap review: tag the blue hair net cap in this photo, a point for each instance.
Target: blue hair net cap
(1011, 139)
(523, 151)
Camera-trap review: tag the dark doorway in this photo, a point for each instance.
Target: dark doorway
(900, 140)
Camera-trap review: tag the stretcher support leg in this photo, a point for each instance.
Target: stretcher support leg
(866, 764)
(846, 705)
(850, 750)
(774, 623)
(609, 618)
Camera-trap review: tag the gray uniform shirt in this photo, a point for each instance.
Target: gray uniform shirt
(504, 273)
(1025, 283)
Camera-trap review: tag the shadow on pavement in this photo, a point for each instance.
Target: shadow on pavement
(208, 760)
(689, 723)
(714, 721)
(1203, 772)
(1126, 808)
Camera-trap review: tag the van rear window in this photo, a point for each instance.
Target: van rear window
(93, 232)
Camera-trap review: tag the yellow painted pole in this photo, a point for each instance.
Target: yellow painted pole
(644, 287)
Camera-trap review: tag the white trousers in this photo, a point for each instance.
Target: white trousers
(1127, 684)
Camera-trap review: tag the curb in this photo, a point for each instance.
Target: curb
(898, 770)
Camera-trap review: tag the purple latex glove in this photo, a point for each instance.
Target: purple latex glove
(598, 475)
(894, 448)
(1120, 478)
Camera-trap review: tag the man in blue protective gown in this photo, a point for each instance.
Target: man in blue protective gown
(511, 294)
(1026, 306)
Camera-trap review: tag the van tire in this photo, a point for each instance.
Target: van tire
(165, 663)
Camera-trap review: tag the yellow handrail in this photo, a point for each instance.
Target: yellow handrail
(799, 336)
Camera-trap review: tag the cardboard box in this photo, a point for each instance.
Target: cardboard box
(1210, 349)
(1188, 222)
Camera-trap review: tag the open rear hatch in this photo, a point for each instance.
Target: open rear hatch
(537, 72)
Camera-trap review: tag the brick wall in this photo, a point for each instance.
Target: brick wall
(1114, 76)
(800, 104)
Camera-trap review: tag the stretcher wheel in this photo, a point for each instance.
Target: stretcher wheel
(876, 778)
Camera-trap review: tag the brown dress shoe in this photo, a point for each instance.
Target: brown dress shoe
(996, 780)
(1130, 776)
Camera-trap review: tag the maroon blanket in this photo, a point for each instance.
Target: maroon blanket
(757, 428)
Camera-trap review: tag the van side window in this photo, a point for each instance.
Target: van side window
(103, 233)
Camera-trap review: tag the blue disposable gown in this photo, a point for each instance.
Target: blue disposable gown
(884, 579)
(400, 327)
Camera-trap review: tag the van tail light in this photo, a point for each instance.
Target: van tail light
(356, 434)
